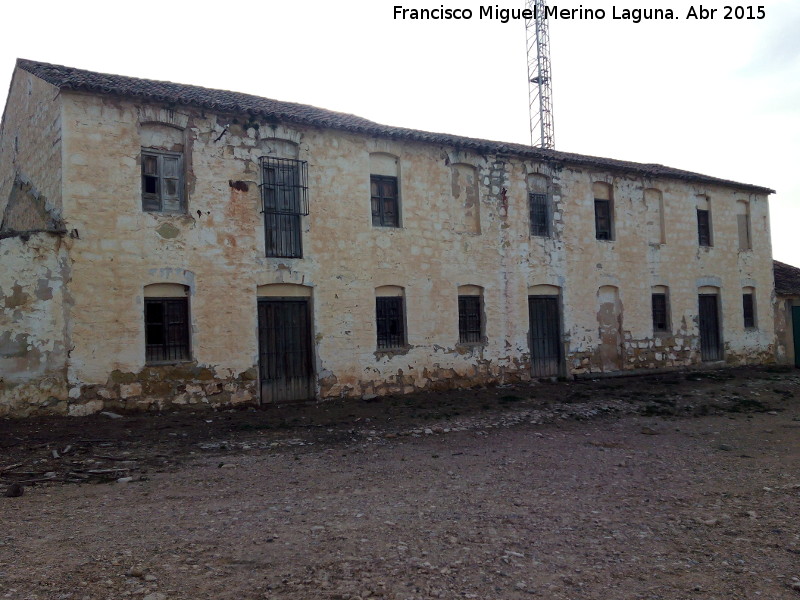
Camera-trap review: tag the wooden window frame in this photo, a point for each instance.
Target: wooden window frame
(704, 235)
(390, 322)
(173, 343)
(539, 206)
(153, 201)
(470, 319)
(378, 199)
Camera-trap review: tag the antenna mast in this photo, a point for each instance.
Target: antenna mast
(540, 92)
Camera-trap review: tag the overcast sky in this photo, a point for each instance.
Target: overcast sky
(720, 97)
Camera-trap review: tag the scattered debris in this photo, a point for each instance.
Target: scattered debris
(15, 490)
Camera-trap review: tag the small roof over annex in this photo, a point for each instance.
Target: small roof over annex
(69, 78)
(787, 279)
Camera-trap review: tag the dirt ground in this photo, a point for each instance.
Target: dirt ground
(677, 486)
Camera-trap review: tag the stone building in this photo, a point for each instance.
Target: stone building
(787, 313)
(165, 244)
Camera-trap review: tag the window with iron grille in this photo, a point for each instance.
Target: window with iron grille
(660, 314)
(469, 319)
(748, 310)
(162, 181)
(540, 214)
(602, 219)
(703, 227)
(284, 195)
(384, 200)
(389, 319)
(166, 333)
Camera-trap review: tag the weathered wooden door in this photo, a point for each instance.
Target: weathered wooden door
(284, 349)
(545, 336)
(710, 342)
(796, 329)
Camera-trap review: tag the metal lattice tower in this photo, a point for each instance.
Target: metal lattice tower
(540, 92)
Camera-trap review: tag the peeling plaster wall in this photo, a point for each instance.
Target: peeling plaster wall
(634, 264)
(33, 300)
(465, 222)
(34, 267)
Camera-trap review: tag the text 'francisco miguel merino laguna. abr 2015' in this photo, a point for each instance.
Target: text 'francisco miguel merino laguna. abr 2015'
(636, 15)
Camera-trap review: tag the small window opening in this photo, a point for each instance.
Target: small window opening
(166, 329)
(660, 314)
(469, 319)
(389, 319)
(748, 310)
(384, 200)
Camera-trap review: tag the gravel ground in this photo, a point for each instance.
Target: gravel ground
(666, 487)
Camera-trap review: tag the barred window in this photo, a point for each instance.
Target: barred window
(284, 194)
(162, 181)
(540, 214)
(469, 319)
(166, 329)
(660, 315)
(384, 201)
(389, 319)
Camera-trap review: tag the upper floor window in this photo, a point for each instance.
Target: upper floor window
(743, 222)
(384, 201)
(162, 181)
(603, 211)
(704, 236)
(384, 189)
(464, 185)
(284, 194)
(539, 205)
(654, 206)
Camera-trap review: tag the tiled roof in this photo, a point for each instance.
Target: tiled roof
(787, 279)
(69, 78)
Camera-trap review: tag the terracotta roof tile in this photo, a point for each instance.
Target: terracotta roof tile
(69, 78)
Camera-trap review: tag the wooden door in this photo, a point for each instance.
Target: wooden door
(710, 342)
(545, 320)
(284, 349)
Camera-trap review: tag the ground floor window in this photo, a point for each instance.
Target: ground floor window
(166, 329)
(389, 320)
(469, 319)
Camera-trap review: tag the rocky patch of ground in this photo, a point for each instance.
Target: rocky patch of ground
(660, 487)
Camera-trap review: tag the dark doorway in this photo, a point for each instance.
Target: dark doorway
(796, 330)
(284, 349)
(545, 342)
(710, 342)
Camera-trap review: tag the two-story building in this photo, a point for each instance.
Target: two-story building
(165, 244)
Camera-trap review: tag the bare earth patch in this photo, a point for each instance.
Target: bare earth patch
(660, 487)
